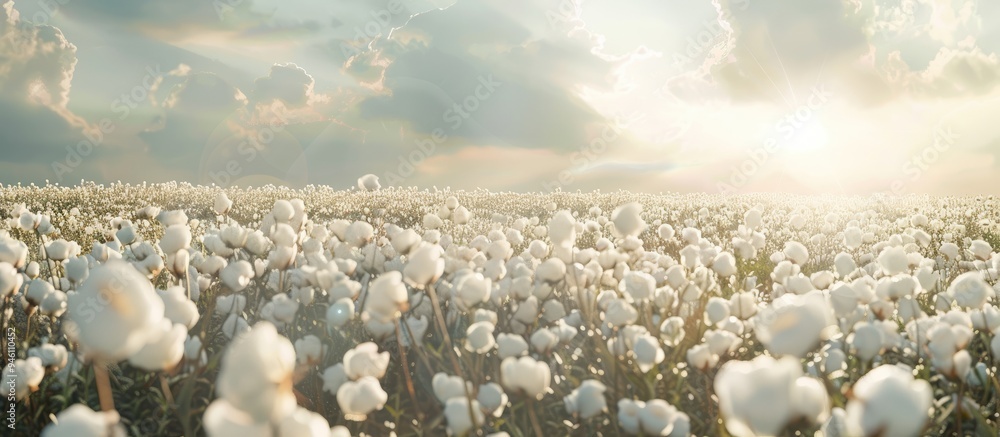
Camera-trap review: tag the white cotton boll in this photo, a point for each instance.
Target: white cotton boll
(511, 345)
(844, 264)
(690, 256)
(638, 285)
(619, 313)
(479, 337)
(359, 398)
(628, 415)
(471, 290)
(743, 305)
(60, 250)
(175, 238)
(844, 300)
(333, 377)
(122, 326)
(283, 235)
(753, 218)
(665, 231)
(177, 307)
(365, 360)
(222, 204)
(562, 229)
(52, 356)
(309, 350)
(793, 324)
(405, 241)
(387, 296)
(587, 400)
(432, 221)
(893, 260)
(458, 418)
(647, 352)
(14, 252)
(981, 249)
(10, 279)
(222, 419)
(796, 252)
(758, 397)
(230, 304)
(22, 377)
(691, 235)
(986, 319)
(551, 270)
(721, 342)
(461, 215)
(969, 290)
(79, 420)
(358, 234)
(724, 265)
(37, 290)
(628, 220)
(543, 340)
(525, 376)
(888, 401)
(449, 386)
(340, 312)
(211, 265)
(165, 351)
(304, 423)
(424, 266)
(866, 341)
(716, 310)
(126, 235)
(950, 250)
(380, 330)
(256, 373)
(657, 417)
(822, 279)
(492, 399)
(236, 276)
(369, 182)
(701, 357)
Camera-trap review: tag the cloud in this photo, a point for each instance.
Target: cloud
(490, 72)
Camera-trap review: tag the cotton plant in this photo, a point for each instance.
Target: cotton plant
(369, 310)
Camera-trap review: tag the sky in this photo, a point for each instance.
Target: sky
(805, 96)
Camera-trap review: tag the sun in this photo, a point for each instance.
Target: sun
(808, 137)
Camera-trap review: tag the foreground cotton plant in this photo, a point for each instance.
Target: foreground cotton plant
(764, 395)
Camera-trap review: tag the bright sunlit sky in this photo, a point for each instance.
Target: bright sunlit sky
(805, 96)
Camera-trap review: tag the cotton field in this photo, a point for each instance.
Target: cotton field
(149, 310)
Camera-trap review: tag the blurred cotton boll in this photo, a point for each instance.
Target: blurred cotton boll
(449, 386)
(256, 374)
(456, 412)
(163, 352)
(794, 325)
(479, 337)
(340, 312)
(365, 360)
(116, 311)
(628, 220)
(888, 401)
(387, 296)
(587, 400)
(762, 396)
(80, 421)
(525, 376)
(359, 398)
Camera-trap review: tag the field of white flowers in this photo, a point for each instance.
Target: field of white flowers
(180, 310)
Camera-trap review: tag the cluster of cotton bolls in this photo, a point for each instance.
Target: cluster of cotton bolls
(180, 310)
